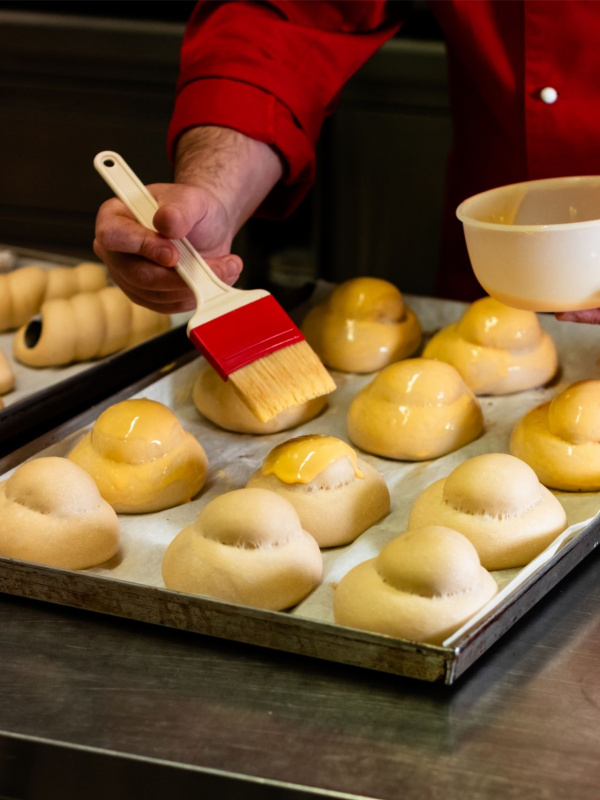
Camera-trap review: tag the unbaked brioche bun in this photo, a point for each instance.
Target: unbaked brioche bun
(423, 586)
(496, 349)
(415, 410)
(560, 439)
(363, 326)
(218, 401)
(247, 547)
(52, 513)
(7, 376)
(337, 495)
(496, 501)
(141, 457)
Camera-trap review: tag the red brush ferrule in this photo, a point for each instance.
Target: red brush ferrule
(240, 337)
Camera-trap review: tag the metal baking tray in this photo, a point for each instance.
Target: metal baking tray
(143, 597)
(45, 397)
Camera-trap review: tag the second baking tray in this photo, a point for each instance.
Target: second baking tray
(43, 398)
(132, 587)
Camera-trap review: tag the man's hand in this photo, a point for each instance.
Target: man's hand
(221, 178)
(141, 261)
(589, 315)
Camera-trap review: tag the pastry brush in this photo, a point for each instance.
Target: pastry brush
(244, 334)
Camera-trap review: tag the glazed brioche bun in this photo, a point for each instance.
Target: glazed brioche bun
(141, 458)
(51, 513)
(496, 349)
(423, 586)
(7, 376)
(84, 326)
(363, 326)
(560, 439)
(23, 290)
(414, 410)
(218, 401)
(248, 547)
(21, 295)
(87, 276)
(337, 495)
(498, 503)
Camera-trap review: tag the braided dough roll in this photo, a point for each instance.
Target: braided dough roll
(498, 503)
(51, 513)
(363, 326)
(141, 457)
(247, 546)
(218, 401)
(415, 410)
(423, 586)
(85, 326)
(496, 349)
(7, 376)
(23, 290)
(560, 439)
(337, 495)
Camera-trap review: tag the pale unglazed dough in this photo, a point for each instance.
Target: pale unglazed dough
(141, 457)
(51, 513)
(363, 326)
(415, 410)
(218, 401)
(246, 547)
(7, 376)
(423, 586)
(85, 326)
(560, 439)
(498, 503)
(23, 290)
(344, 496)
(497, 349)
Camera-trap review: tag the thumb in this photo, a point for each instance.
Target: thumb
(227, 268)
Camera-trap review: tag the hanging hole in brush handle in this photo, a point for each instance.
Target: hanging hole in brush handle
(132, 192)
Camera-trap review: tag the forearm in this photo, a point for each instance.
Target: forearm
(239, 170)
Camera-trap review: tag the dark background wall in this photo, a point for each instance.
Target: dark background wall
(77, 78)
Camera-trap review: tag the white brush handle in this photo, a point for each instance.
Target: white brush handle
(132, 192)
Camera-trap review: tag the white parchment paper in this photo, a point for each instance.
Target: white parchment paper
(234, 457)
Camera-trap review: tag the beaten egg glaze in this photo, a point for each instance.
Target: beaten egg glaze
(363, 326)
(560, 439)
(336, 494)
(496, 349)
(415, 410)
(300, 460)
(141, 458)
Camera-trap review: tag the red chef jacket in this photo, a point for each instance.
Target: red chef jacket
(274, 71)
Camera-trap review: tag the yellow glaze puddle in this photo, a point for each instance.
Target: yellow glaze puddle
(300, 460)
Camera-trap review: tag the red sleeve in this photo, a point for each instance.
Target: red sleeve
(274, 71)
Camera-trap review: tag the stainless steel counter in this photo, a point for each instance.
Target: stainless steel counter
(93, 706)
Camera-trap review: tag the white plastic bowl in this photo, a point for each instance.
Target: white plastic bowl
(536, 245)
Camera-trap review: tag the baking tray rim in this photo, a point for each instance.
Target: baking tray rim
(421, 660)
(204, 615)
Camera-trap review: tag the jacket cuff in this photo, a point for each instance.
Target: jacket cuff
(255, 113)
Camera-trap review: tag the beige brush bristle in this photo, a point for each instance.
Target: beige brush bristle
(282, 379)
